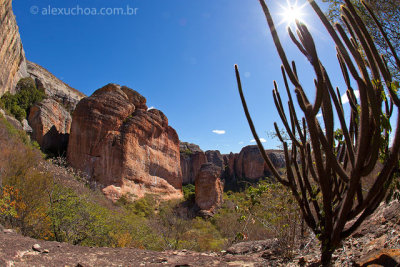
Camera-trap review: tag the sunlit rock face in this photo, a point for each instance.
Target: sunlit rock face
(51, 125)
(125, 147)
(192, 157)
(54, 88)
(250, 164)
(209, 188)
(12, 57)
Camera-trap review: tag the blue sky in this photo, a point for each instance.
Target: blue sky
(179, 54)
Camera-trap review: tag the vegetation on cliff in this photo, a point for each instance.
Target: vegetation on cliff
(19, 104)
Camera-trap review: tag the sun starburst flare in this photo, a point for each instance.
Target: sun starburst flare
(292, 13)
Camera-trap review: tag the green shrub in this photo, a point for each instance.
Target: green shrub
(20, 103)
(189, 192)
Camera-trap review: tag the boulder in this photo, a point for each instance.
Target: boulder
(51, 125)
(26, 127)
(253, 246)
(126, 148)
(191, 157)
(383, 257)
(209, 188)
(14, 122)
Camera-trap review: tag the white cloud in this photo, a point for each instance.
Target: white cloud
(346, 100)
(241, 143)
(261, 139)
(247, 74)
(150, 108)
(319, 115)
(219, 131)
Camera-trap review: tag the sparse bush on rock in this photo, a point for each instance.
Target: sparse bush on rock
(20, 103)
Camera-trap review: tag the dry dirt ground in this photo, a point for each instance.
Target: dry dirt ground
(375, 243)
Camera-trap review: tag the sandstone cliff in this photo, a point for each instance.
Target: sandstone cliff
(53, 87)
(12, 56)
(51, 119)
(51, 125)
(192, 157)
(123, 146)
(209, 189)
(248, 164)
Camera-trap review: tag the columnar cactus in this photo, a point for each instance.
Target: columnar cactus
(327, 168)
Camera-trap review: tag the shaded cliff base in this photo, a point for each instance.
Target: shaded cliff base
(376, 242)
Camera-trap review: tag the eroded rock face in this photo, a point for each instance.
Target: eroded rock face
(125, 147)
(250, 164)
(215, 157)
(191, 157)
(229, 161)
(53, 87)
(51, 125)
(12, 55)
(209, 188)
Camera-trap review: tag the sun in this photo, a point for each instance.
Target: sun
(292, 12)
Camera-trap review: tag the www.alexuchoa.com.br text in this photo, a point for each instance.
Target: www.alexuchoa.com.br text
(84, 11)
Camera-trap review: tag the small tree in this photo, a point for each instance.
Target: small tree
(327, 175)
(388, 12)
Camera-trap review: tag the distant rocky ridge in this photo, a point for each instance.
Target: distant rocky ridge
(12, 55)
(125, 147)
(248, 164)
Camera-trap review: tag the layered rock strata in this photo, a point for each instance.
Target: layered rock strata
(54, 88)
(12, 55)
(125, 147)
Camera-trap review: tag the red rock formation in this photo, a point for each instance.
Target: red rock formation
(192, 157)
(215, 157)
(209, 188)
(51, 125)
(249, 163)
(12, 55)
(229, 161)
(123, 146)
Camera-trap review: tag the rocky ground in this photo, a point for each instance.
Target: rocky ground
(376, 243)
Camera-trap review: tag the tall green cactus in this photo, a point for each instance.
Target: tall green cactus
(327, 175)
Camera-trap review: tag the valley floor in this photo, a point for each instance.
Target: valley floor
(377, 241)
(16, 250)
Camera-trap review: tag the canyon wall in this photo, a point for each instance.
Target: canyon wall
(248, 164)
(12, 55)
